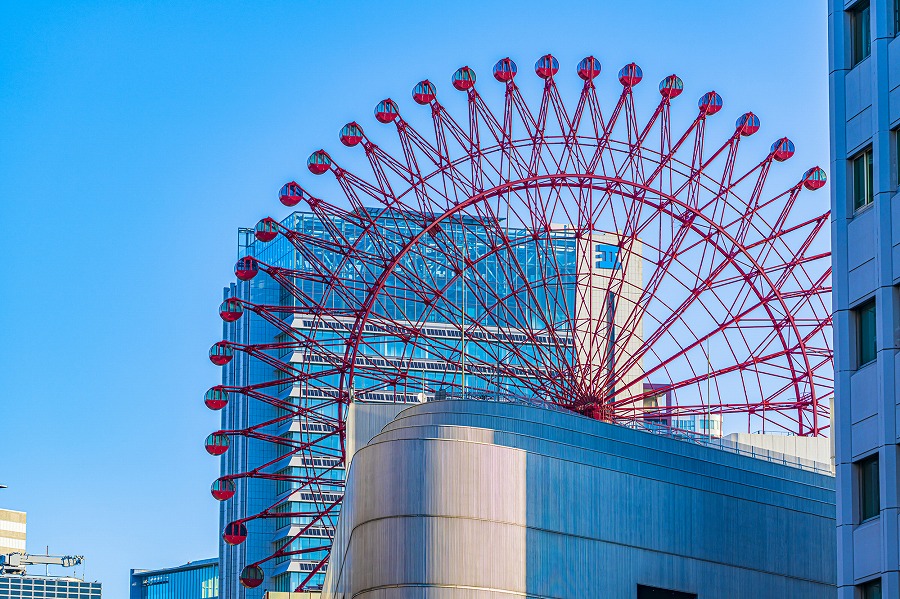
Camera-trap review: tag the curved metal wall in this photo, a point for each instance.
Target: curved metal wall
(478, 499)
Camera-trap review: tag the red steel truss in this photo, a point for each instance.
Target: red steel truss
(591, 258)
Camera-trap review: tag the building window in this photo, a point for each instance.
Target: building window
(645, 592)
(870, 590)
(862, 180)
(860, 32)
(896, 17)
(895, 159)
(866, 338)
(867, 475)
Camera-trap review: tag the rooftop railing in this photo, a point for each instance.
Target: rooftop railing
(653, 427)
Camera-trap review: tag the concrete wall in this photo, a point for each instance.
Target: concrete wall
(865, 107)
(12, 531)
(482, 499)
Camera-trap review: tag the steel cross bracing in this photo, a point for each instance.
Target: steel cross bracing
(599, 262)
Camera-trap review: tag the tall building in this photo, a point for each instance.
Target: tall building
(193, 580)
(865, 115)
(584, 266)
(12, 531)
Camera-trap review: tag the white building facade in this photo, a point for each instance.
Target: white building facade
(865, 116)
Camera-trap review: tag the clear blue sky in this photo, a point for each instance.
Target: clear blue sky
(136, 137)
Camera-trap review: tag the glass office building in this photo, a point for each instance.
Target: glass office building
(546, 305)
(193, 580)
(36, 587)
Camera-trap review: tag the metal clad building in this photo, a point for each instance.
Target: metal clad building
(489, 499)
(865, 115)
(193, 580)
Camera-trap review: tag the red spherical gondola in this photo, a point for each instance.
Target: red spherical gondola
(588, 68)
(782, 149)
(546, 66)
(505, 70)
(266, 230)
(291, 194)
(221, 353)
(231, 310)
(319, 162)
(216, 398)
(747, 124)
(424, 92)
(814, 178)
(351, 134)
(710, 103)
(246, 268)
(217, 444)
(671, 87)
(630, 75)
(223, 489)
(464, 79)
(386, 111)
(252, 576)
(235, 533)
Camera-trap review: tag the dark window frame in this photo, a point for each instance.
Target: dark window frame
(866, 315)
(868, 488)
(870, 589)
(895, 157)
(648, 592)
(863, 179)
(860, 32)
(896, 18)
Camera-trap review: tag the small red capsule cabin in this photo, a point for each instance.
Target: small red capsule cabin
(252, 576)
(747, 124)
(546, 66)
(424, 92)
(319, 162)
(216, 444)
(266, 230)
(351, 134)
(291, 194)
(710, 103)
(246, 268)
(231, 309)
(505, 70)
(588, 68)
(630, 75)
(386, 111)
(671, 87)
(814, 178)
(221, 353)
(216, 398)
(782, 149)
(235, 533)
(464, 79)
(222, 489)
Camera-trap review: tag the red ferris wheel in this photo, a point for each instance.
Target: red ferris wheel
(591, 258)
